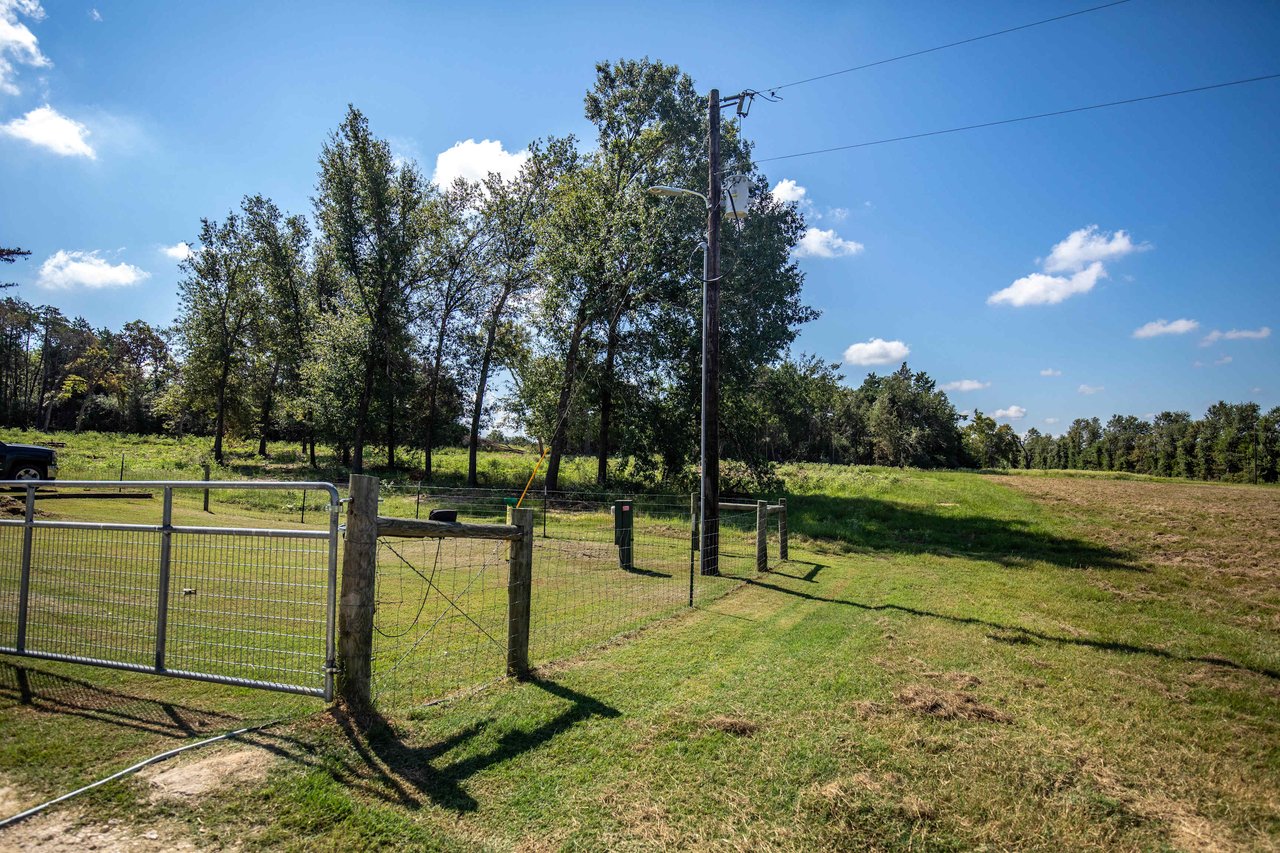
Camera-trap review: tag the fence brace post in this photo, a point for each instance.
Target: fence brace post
(762, 536)
(162, 603)
(519, 587)
(355, 613)
(24, 585)
(782, 530)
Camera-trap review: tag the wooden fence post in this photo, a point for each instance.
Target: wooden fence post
(205, 466)
(782, 529)
(693, 539)
(355, 613)
(624, 532)
(762, 536)
(519, 586)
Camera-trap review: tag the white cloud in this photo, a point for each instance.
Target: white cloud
(1079, 260)
(788, 190)
(817, 243)
(95, 15)
(475, 160)
(838, 214)
(1256, 390)
(965, 385)
(1051, 420)
(1165, 327)
(1236, 335)
(1197, 364)
(1012, 413)
(1226, 359)
(1089, 245)
(876, 351)
(65, 270)
(177, 252)
(1090, 389)
(48, 128)
(17, 43)
(1041, 289)
(1049, 371)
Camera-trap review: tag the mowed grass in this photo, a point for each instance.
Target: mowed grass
(949, 661)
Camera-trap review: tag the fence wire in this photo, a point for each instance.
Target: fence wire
(242, 607)
(441, 605)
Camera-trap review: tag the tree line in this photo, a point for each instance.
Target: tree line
(803, 411)
(386, 317)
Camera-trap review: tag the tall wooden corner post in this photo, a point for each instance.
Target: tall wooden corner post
(519, 590)
(710, 562)
(355, 609)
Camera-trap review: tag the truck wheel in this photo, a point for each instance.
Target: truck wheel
(28, 472)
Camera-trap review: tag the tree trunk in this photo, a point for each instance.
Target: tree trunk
(267, 401)
(391, 429)
(606, 403)
(478, 408)
(566, 399)
(433, 386)
(362, 414)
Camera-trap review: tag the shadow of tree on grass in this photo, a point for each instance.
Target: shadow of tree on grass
(877, 525)
(1015, 634)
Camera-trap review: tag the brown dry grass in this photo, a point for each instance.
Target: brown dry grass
(948, 705)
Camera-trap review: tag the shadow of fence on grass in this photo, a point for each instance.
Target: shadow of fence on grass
(51, 693)
(877, 525)
(394, 769)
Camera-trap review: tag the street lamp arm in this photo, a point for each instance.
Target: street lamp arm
(678, 191)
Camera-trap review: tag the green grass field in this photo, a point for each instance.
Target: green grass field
(949, 661)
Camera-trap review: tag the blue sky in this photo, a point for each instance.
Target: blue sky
(121, 124)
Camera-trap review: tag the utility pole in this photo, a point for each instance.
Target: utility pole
(710, 562)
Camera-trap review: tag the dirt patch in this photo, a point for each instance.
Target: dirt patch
(948, 705)
(67, 832)
(733, 725)
(195, 779)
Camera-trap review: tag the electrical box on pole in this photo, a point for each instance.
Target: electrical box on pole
(737, 196)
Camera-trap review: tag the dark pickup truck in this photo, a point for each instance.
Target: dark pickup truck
(27, 462)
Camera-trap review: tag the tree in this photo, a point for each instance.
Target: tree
(219, 300)
(285, 326)
(509, 211)
(369, 209)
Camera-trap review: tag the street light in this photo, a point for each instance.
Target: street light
(709, 477)
(677, 191)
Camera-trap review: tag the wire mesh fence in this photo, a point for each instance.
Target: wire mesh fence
(135, 575)
(442, 604)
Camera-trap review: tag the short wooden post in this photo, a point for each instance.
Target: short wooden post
(782, 529)
(762, 536)
(519, 587)
(205, 467)
(355, 612)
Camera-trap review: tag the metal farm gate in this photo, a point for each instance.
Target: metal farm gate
(247, 606)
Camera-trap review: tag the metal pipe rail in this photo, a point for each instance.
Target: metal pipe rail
(166, 530)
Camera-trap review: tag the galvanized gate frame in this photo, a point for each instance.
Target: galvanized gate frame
(166, 529)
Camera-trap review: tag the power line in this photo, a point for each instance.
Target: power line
(773, 89)
(1022, 118)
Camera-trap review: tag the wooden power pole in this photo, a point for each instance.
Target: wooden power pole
(710, 563)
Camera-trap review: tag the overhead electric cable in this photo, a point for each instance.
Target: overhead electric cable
(772, 89)
(1020, 118)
